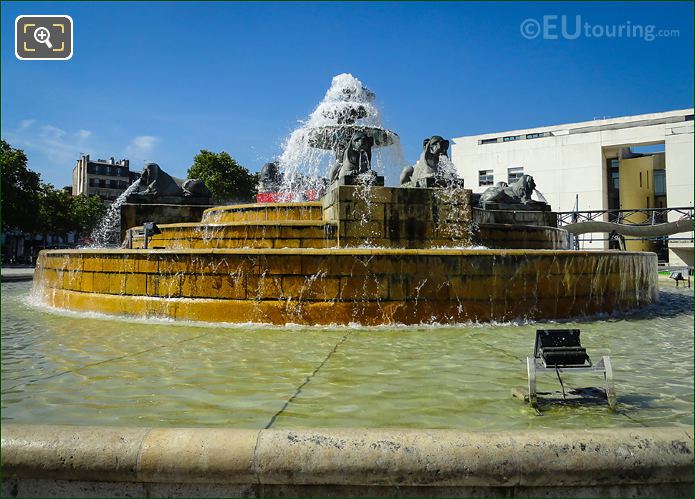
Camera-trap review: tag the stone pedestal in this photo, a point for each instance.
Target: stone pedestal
(399, 217)
(377, 180)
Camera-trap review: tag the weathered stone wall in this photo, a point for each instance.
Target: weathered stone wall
(340, 286)
(515, 217)
(74, 461)
(498, 236)
(134, 215)
(394, 217)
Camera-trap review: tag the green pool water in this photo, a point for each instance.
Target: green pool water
(62, 368)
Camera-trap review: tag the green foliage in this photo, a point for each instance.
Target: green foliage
(54, 211)
(33, 207)
(86, 211)
(227, 180)
(21, 189)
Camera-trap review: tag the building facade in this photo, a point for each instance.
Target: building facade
(104, 178)
(591, 165)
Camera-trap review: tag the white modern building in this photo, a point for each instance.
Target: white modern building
(591, 163)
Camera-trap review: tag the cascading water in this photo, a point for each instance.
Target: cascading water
(106, 233)
(312, 149)
(450, 194)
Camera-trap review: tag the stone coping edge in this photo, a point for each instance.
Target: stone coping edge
(349, 456)
(346, 252)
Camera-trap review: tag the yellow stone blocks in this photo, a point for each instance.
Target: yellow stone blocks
(370, 286)
(316, 288)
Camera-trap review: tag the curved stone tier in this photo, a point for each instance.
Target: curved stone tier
(262, 212)
(521, 236)
(252, 234)
(341, 286)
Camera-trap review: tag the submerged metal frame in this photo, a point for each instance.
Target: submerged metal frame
(603, 366)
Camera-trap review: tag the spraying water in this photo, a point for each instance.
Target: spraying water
(320, 141)
(107, 232)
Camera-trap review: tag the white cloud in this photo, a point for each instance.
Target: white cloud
(24, 124)
(59, 146)
(141, 146)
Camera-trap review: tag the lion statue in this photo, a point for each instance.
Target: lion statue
(158, 186)
(518, 193)
(357, 158)
(270, 178)
(427, 167)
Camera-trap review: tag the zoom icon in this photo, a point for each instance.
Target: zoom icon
(43, 38)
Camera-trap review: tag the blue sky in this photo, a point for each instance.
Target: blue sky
(160, 81)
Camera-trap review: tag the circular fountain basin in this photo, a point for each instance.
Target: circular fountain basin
(346, 285)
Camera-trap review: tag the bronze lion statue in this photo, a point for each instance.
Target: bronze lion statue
(357, 158)
(157, 186)
(518, 193)
(427, 167)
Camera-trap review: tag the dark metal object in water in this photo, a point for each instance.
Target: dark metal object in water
(560, 351)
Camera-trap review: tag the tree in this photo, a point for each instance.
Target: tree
(55, 213)
(86, 213)
(226, 179)
(21, 189)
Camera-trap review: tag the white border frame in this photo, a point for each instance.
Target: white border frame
(72, 38)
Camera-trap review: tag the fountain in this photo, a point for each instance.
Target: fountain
(343, 248)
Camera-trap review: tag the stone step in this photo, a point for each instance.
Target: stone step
(258, 212)
(265, 234)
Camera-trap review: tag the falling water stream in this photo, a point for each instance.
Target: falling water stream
(107, 232)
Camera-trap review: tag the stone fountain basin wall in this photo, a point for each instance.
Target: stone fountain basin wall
(72, 461)
(341, 286)
(243, 234)
(521, 236)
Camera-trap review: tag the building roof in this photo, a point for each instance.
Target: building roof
(595, 125)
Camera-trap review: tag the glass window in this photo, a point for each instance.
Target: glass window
(534, 135)
(510, 138)
(514, 174)
(485, 177)
(659, 182)
(489, 141)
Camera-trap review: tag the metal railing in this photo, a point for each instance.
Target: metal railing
(651, 216)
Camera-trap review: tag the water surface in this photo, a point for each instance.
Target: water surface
(65, 368)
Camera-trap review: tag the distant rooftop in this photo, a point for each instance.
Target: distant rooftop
(596, 125)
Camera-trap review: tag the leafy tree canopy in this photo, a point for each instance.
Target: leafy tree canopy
(227, 180)
(21, 189)
(34, 207)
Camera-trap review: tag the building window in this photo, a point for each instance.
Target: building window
(514, 174)
(659, 182)
(485, 177)
(614, 173)
(534, 135)
(510, 138)
(489, 141)
(92, 182)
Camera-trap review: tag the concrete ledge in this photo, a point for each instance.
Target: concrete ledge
(356, 462)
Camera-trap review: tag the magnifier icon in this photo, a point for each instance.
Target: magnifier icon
(42, 35)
